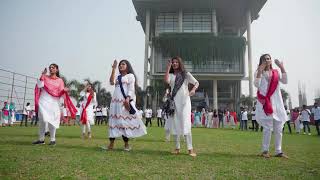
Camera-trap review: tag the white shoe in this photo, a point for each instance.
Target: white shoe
(309, 134)
(127, 149)
(104, 148)
(304, 133)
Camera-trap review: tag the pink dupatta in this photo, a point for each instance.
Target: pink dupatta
(54, 87)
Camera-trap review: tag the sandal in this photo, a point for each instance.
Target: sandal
(176, 151)
(192, 153)
(265, 154)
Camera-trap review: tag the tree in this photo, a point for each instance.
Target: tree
(75, 87)
(103, 97)
(285, 95)
(246, 101)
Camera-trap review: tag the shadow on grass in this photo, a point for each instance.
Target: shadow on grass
(58, 136)
(149, 140)
(228, 155)
(140, 152)
(17, 142)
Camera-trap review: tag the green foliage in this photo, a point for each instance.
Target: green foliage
(75, 87)
(246, 101)
(285, 95)
(222, 154)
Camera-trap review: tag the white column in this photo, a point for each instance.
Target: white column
(214, 22)
(215, 94)
(249, 53)
(180, 19)
(146, 49)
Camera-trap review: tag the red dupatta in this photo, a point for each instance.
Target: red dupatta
(234, 115)
(84, 117)
(54, 87)
(265, 100)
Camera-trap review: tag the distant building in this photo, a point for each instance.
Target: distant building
(208, 35)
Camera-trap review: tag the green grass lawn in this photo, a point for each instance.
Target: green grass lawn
(222, 154)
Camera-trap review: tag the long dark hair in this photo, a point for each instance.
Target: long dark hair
(181, 65)
(129, 70)
(92, 88)
(57, 67)
(262, 58)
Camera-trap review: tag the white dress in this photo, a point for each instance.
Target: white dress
(49, 107)
(121, 122)
(89, 110)
(210, 120)
(181, 120)
(279, 113)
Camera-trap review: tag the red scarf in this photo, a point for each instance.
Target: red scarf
(227, 116)
(265, 100)
(54, 87)
(234, 115)
(84, 117)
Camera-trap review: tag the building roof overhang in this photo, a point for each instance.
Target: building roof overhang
(230, 13)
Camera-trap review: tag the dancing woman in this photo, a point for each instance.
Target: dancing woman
(270, 112)
(178, 79)
(48, 91)
(121, 122)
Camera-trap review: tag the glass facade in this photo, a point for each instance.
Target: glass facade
(167, 22)
(197, 22)
(226, 66)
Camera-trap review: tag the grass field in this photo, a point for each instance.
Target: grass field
(222, 154)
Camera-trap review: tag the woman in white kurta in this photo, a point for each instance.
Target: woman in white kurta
(226, 118)
(270, 120)
(210, 119)
(48, 92)
(181, 120)
(121, 122)
(87, 121)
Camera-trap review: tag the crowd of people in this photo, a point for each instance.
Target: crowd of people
(125, 120)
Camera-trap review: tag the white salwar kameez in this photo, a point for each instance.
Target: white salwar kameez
(89, 111)
(210, 120)
(181, 120)
(121, 122)
(49, 113)
(276, 120)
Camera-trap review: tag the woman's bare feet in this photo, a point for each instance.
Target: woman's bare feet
(192, 153)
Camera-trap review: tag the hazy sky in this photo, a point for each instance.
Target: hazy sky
(83, 37)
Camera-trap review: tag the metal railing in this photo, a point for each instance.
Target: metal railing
(17, 88)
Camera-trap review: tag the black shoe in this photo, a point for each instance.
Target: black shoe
(282, 155)
(38, 142)
(52, 143)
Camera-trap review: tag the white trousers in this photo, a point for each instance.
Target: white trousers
(42, 130)
(86, 126)
(277, 130)
(167, 134)
(297, 124)
(188, 140)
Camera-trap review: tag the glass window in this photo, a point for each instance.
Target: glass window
(167, 22)
(196, 22)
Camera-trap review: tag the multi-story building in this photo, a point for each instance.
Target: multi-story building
(208, 35)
